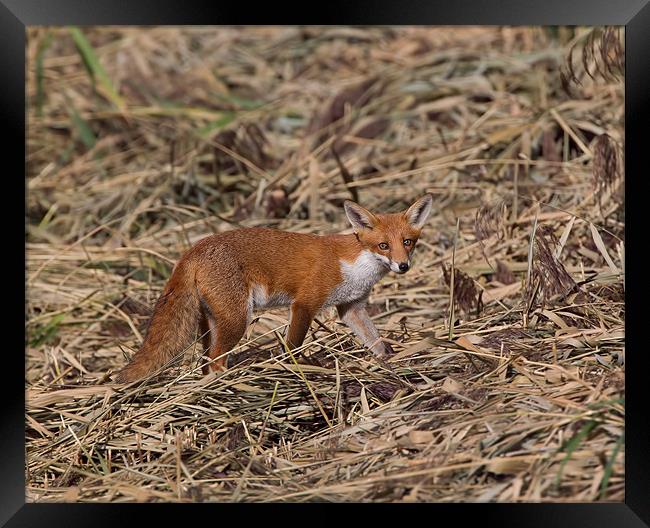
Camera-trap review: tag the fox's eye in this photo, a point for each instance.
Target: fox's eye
(383, 245)
(408, 242)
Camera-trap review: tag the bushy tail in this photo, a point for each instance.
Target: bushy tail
(171, 329)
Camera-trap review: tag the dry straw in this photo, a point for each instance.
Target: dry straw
(142, 141)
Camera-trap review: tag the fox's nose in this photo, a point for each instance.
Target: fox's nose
(403, 266)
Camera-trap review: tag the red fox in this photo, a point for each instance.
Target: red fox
(224, 277)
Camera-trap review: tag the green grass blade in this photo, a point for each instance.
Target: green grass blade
(571, 445)
(95, 68)
(40, 90)
(43, 334)
(241, 102)
(86, 133)
(207, 130)
(610, 466)
(159, 267)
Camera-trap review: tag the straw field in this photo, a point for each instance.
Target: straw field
(507, 383)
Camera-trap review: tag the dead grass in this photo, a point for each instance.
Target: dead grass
(160, 136)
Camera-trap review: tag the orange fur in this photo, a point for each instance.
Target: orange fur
(219, 281)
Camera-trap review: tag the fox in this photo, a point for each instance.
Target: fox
(219, 282)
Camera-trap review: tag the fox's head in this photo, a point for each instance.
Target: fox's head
(390, 238)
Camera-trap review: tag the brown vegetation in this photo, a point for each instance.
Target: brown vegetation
(141, 141)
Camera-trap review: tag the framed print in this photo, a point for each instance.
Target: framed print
(378, 257)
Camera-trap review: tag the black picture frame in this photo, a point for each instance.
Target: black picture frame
(15, 15)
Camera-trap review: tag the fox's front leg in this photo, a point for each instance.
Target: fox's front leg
(356, 317)
(301, 317)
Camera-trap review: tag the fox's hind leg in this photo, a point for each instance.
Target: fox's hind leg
(223, 293)
(226, 325)
(204, 333)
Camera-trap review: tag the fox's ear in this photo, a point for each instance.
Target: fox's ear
(359, 217)
(417, 214)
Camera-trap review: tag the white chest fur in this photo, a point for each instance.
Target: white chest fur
(358, 278)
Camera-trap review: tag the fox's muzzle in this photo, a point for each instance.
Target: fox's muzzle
(399, 267)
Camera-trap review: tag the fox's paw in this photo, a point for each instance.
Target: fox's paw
(213, 366)
(383, 351)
